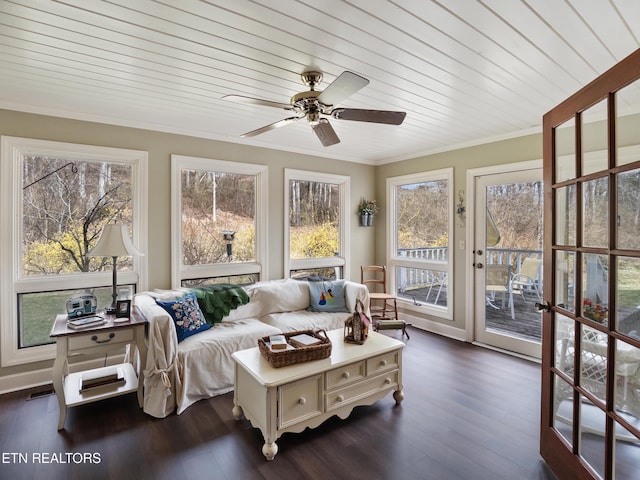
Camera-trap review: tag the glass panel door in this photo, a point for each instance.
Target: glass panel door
(508, 259)
(590, 423)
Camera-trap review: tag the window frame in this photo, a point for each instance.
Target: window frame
(12, 282)
(179, 271)
(393, 260)
(342, 259)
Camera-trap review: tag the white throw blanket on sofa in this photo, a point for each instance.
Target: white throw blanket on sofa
(179, 374)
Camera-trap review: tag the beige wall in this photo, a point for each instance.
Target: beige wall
(367, 244)
(160, 146)
(497, 153)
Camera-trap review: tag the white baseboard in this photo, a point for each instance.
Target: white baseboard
(435, 327)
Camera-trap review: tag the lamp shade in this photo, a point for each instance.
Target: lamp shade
(114, 241)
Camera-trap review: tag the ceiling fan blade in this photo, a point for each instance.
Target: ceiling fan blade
(256, 101)
(326, 133)
(273, 126)
(342, 87)
(373, 116)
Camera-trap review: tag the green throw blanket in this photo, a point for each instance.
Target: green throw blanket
(216, 301)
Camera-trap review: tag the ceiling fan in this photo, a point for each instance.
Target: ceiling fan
(313, 104)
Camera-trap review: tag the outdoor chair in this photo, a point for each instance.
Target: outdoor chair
(498, 280)
(527, 279)
(383, 305)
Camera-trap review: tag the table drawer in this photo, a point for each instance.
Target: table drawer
(299, 401)
(100, 338)
(346, 395)
(345, 375)
(382, 363)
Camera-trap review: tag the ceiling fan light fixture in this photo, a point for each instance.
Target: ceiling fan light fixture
(313, 117)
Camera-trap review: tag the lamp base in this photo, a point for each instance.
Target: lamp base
(110, 310)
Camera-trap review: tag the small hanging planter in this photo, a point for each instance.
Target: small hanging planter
(367, 209)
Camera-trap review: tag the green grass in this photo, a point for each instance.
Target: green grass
(39, 310)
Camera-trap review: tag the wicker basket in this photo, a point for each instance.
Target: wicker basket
(298, 354)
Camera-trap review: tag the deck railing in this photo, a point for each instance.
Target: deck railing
(410, 277)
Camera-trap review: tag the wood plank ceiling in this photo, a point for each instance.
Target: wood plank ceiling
(465, 71)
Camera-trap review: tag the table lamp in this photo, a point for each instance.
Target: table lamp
(114, 242)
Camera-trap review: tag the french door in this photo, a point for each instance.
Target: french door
(508, 258)
(590, 410)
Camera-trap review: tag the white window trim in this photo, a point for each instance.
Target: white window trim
(179, 271)
(394, 261)
(12, 150)
(344, 188)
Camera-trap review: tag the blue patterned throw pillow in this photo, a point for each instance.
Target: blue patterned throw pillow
(327, 296)
(186, 315)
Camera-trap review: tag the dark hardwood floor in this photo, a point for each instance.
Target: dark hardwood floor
(468, 413)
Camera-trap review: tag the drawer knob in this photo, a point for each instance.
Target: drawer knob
(383, 363)
(340, 398)
(346, 375)
(302, 400)
(95, 338)
(387, 381)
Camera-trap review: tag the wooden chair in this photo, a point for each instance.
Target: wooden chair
(384, 306)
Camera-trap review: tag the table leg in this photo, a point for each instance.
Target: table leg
(398, 396)
(142, 356)
(269, 450)
(59, 367)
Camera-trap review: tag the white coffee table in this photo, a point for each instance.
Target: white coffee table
(295, 397)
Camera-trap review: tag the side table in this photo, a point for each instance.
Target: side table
(97, 340)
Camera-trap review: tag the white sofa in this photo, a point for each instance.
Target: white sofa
(200, 366)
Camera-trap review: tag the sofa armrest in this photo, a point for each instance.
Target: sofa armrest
(160, 372)
(354, 291)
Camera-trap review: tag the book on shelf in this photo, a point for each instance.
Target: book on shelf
(91, 380)
(86, 322)
(304, 340)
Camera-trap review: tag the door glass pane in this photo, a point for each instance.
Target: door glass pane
(627, 459)
(628, 381)
(513, 259)
(565, 281)
(422, 285)
(628, 296)
(595, 289)
(595, 208)
(627, 102)
(594, 138)
(628, 204)
(566, 150)
(592, 440)
(566, 215)
(593, 369)
(563, 409)
(565, 345)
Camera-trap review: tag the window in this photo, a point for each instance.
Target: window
(219, 218)
(316, 224)
(420, 231)
(56, 198)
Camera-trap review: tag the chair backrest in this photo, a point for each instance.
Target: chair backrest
(498, 275)
(531, 268)
(374, 277)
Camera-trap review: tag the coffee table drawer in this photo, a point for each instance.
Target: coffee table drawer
(346, 395)
(299, 401)
(345, 375)
(382, 363)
